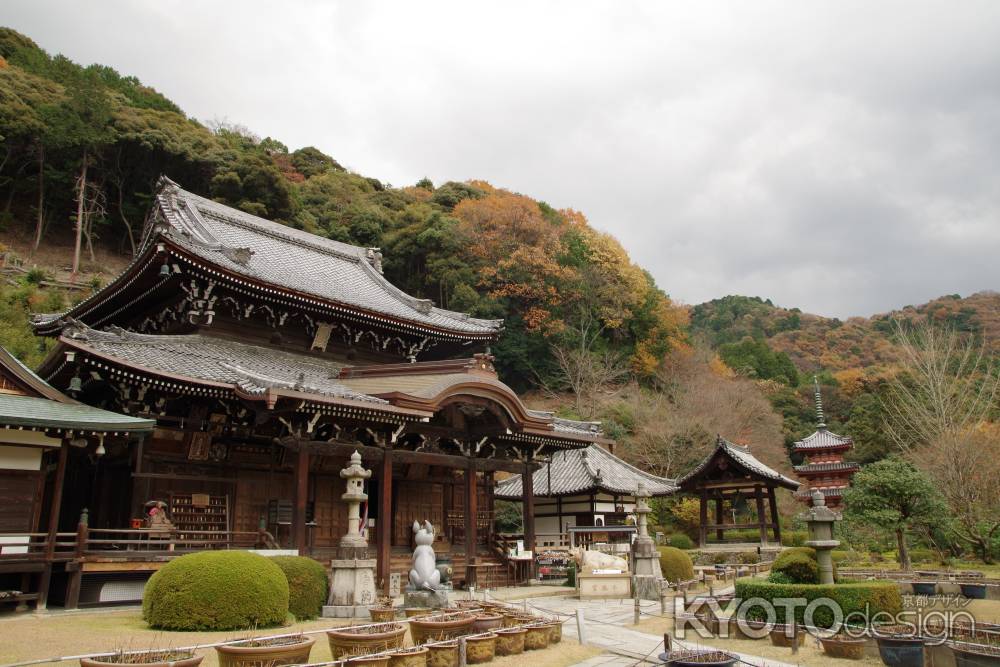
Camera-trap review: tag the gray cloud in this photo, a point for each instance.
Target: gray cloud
(841, 157)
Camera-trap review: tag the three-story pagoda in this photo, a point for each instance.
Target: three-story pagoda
(824, 469)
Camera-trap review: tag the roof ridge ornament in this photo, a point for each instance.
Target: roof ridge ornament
(820, 419)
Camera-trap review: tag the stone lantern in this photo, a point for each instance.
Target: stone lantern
(355, 495)
(645, 557)
(820, 519)
(352, 572)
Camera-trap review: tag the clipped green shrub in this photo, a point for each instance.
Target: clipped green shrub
(794, 538)
(681, 541)
(798, 564)
(571, 575)
(863, 596)
(675, 564)
(748, 557)
(779, 578)
(840, 556)
(307, 585)
(923, 556)
(216, 590)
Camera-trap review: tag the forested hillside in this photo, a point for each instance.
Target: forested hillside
(588, 332)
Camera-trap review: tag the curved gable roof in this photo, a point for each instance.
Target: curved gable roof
(741, 456)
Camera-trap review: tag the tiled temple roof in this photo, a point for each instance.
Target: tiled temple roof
(587, 470)
(823, 439)
(252, 369)
(833, 466)
(283, 256)
(741, 456)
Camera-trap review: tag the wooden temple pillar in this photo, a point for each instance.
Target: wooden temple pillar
(720, 533)
(53, 529)
(384, 525)
(703, 519)
(775, 522)
(471, 524)
(761, 516)
(528, 510)
(299, 533)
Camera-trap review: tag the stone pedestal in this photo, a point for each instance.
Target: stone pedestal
(352, 588)
(437, 599)
(645, 556)
(604, 586)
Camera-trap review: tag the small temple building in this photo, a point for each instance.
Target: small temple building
(824, 468)
(44, 435)
(266, 356)
(583, 488)
(730, 477)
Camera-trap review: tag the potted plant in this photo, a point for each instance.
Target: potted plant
(413, 612)
(510, 641)
(843, 645)
(365, 639)
(480, 648)
(899, 645)
(749, 629)
(924, 587)
(382, 611)
(369, 661)
(252, 651)
(973, 590)
(780, 636)
(487, 620)
(440, 626)
(149, 658)
(699, 658)
(975, 655)
(537, 636)
(442, 654)
(415, 656)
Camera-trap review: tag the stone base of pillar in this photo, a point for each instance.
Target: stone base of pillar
(647, 587)
(352, 588)
(345, 611)
(431, 599)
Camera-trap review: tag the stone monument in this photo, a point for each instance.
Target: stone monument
(352, 572)
(645, 556)
(424, 589)
(820, 519)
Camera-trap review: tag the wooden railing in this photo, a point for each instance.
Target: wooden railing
(127, 543)
(36, 546)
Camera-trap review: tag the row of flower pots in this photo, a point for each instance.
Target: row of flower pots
(492, 631)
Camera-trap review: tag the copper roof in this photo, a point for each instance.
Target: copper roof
(740, 455)
(587, 470)
(43, 407)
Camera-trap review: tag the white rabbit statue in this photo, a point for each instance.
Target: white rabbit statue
(424, 574)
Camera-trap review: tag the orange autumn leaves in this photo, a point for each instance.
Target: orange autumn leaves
(553, 265)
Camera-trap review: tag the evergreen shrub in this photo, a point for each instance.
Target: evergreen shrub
(675, 564)
(863, 596)
(307, 585)
(216, 590)
(681, 541)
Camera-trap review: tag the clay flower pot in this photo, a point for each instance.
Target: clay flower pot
(844, 646)
(148, 659)
(441, 627)
(973, 591)
(967, 655)
(899, 647)
(537, 637)
(413, 612)
(443, 655)
(780, 638)
(369, 661)
(409, 657)
(486, 621)
(699, 658)
(382, 614)
(350, 642)
(480, 649)
(510, 641)
(556, 635)
(256, 652)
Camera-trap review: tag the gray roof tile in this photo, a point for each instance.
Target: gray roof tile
(585, 470)
(742, 456)
(823, 439)
(279, 255)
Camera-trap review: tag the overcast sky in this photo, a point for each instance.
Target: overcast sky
(842, 157)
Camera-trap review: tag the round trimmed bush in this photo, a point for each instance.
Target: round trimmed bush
(307, 585)
(216, 590)
(798, 565)
(675, 564)
(681, 541)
